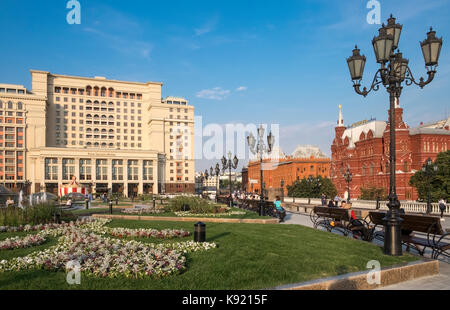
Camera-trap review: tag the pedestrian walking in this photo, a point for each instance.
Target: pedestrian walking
(324, 200)
(442, 207)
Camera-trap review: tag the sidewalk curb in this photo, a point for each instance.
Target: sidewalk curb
(358, 280)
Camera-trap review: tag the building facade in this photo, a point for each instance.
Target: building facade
(364, 149)
(304, 162)
(110, 135)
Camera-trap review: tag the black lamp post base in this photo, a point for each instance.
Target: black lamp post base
(261, 209)
(392, 235)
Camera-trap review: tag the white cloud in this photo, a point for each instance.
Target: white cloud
(217, 93)
(241, 88)
(208, 27)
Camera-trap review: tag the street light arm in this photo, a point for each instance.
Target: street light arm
(409, 78)
(377, 80)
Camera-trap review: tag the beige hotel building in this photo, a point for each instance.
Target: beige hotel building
(111, 135)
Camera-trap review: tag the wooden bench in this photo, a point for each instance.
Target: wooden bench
(340, 220)
(437, 239)
(253, 205)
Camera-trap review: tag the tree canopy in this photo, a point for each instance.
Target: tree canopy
(312, 189)
(437, 182)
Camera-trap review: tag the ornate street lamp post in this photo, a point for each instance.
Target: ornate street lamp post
(348, 178)
(393, 71)
(230, 164)
(260, 149)
(429, 169)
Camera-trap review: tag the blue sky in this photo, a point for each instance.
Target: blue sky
(280, 62)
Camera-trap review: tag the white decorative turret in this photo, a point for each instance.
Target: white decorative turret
(341, 119)
(397, 103)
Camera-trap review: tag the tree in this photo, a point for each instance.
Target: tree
(225, 185)
(313, 188)
(438, 183)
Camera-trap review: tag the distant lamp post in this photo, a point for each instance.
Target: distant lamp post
(393, 71)
(228, 165)
(348, 178)
(282, 188)
(259, 147)
(429, 169)
(217, 182)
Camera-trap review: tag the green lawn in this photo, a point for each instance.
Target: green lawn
(249, 256)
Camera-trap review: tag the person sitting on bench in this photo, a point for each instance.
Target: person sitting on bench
(281, 213)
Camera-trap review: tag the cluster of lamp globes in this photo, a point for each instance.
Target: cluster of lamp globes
(397, 70)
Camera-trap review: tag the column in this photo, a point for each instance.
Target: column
(140, 177)
(155, 177)
(60, 174)
(109, 161)
(77, 168)
(125, 177)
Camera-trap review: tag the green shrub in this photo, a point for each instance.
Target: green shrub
(38, 214)
(196, 205)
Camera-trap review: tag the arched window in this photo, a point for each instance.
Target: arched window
(89, 116)
(103, 103)
(111, 104)
(371, 169)
(89, 144)
(89, 102)
(10, 105)
(111, 145)
(96, 102)
(96, 144)
(103, 144)
(19, 106)
(1, 104)
(111, 131)
(405, 167)
(111, 117)
(364, 170)
(89, 130)
(96, 130)
(103, 130)
(96, 116)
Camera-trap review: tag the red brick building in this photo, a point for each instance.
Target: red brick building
(305, 161)
(364, 149)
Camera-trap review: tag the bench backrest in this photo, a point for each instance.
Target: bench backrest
(336, 213)
(412, 222)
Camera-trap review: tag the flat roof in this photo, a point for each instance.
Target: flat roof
(96, 78)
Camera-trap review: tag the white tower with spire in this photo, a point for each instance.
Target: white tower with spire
(341, 119)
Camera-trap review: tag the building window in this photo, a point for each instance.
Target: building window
(133, 170)
(405, 167)
(101, 169)
(148, 170)
(117, 170)
(51, 168)
(68, 166)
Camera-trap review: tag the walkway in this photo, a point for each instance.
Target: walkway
(439, 282)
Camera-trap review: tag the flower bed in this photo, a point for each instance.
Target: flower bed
(144, 233)
(18, 242)
(189, 214)
(101, 256)
(29, 228)
(142, 211)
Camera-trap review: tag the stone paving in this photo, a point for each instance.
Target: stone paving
(439, 282)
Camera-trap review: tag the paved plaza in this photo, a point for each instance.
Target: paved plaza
(439, 282)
